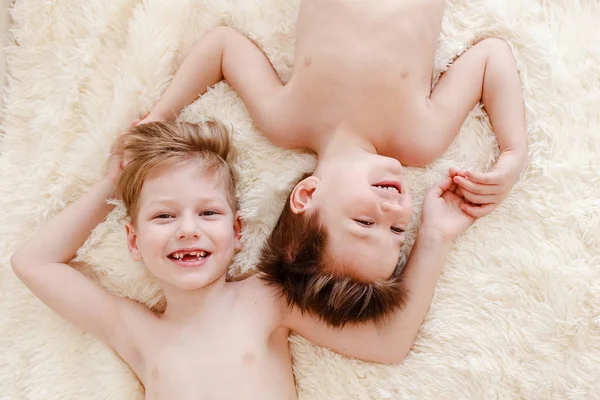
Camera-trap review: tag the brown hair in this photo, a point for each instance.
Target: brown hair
(155, 146)
(295, 262)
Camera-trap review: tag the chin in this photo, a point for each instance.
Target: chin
(191, 285)
(196, 283)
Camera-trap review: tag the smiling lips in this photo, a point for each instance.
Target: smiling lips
(191, 258)
(389, 186)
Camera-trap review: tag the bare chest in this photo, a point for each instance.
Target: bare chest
(367, 44)
(365, 65)
(219, 363)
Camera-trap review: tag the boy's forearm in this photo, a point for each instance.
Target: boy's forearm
(503, 99)
(201, 69)
(60, 238)
(421, 274)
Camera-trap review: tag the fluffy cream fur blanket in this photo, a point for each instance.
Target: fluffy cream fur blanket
(516, 313)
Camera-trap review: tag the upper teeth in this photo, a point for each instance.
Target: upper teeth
(179, 254)
(388, 188)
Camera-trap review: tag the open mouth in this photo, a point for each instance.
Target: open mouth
(190, 257)
(389, 186)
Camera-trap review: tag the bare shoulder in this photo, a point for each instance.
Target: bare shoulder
(263, 299)
(284, 123)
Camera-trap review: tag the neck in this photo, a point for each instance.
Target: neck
(342, 144)
(342, 141)
(183, 305)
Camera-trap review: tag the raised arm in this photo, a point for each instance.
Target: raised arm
(389, 341)
(226, 54)
(487, 72)
(41, 264)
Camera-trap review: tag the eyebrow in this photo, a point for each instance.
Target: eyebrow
(173, 201)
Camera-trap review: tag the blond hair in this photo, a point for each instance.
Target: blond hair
(156, 146)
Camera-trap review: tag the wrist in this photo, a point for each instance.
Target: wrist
(434, 236)
(109, 184)
(159, 114)
(519, 153)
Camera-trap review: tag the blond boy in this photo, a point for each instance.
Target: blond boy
(216, 339)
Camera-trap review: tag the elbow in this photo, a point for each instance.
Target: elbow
(392, 353)
(19, 264)
(394, 357)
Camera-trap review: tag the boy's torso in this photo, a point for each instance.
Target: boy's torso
(364, 66)
(232, 352)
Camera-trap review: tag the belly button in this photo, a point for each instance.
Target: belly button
(308, 61)
(404, 74)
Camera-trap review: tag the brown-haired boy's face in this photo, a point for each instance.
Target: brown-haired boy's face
(186, 231)
(365, 209)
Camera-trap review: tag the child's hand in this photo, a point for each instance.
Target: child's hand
(442, 211)
(148, 117)
(485, 190)
(116, 162)
(145, 119)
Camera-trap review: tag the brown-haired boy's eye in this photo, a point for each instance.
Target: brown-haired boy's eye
(397, 230)
(362, 222)
(209, 213)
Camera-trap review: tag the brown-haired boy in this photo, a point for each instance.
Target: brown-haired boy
(216, 339)
(361, 97)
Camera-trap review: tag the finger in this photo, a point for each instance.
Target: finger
(443, 186)
(478, 198)
(453, 187)
(439, 188)
(453, 171)
(459, 192)
(477, 211)
(489, 178)
(477, 188)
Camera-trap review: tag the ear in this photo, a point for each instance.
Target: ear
(134, 251)
(237, 230)
(302, 195)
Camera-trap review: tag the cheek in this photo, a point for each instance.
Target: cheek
(355, 202)
(153, 239)
(223, 235)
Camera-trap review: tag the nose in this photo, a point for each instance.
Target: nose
(188, 229)
(393, 208)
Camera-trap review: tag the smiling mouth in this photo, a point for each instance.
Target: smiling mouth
(392, 187)
(189, 256)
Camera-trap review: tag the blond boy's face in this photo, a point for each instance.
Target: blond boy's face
(186, 232)
(365, 207)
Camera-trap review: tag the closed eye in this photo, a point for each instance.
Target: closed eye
(397, 230)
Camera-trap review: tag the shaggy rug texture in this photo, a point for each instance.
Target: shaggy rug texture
(516, 313)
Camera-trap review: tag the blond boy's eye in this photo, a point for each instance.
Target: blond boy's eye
(397, 230)
(209, 213)
(163, 216)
